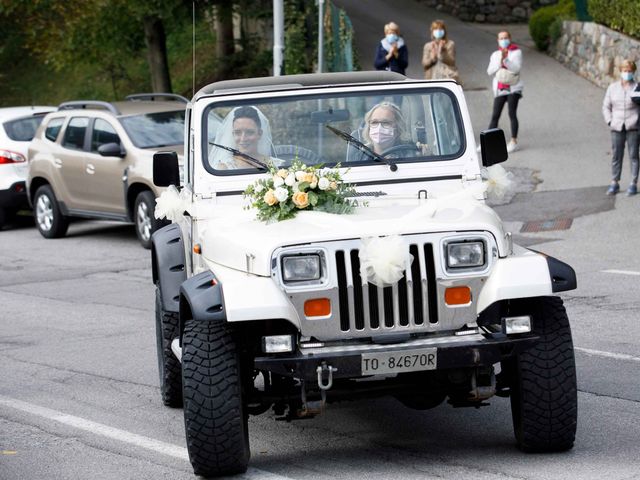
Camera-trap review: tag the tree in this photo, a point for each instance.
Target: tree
(101, 32)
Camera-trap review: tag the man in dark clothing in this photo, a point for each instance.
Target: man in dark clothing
(392, 53)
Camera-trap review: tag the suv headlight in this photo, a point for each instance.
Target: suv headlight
(466, 255)
(301, 268)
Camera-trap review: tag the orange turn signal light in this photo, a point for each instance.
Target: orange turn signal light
(457, 296)
(317, 307)
(197, 249)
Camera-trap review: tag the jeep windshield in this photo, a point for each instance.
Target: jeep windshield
(355, 128)
(154, 130)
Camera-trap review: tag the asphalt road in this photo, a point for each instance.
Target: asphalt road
(78, 378)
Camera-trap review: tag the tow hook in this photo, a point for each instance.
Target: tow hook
(320, 370)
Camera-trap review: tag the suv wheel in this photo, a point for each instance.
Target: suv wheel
(214, 411)
(544, 401)
(143, 217)
(49, 219)
(169, 368)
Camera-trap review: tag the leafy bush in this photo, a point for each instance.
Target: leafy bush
(541, 21)
(621, 15)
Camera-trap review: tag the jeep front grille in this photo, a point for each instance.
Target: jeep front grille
(410, 303)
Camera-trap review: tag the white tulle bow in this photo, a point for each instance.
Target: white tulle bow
(171, 204)
(499, 182)
(383, 260)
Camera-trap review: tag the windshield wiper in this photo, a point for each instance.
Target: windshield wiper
(363, 148)
(259, 164)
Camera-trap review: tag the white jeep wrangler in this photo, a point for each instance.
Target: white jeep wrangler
(283, 315)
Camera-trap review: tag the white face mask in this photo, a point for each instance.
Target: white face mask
(439, 33)
(381, 135)
(627, 76)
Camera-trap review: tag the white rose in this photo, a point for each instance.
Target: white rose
(259, 188)
(323, 183)
(290, 180)
(300, 175)
(281, 194)
(278, 181)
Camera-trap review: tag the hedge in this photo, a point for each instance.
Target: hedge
(620, 15)
(540, 23)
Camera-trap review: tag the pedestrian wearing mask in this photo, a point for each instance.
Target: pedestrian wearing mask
(439, 55)
(504, 65)
(392, 53)
(621, 114)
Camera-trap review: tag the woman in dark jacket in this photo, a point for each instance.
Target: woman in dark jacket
(392, 52)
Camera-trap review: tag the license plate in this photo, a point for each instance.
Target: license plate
(400, 361)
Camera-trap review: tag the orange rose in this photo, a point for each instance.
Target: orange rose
(269, 198)
(333, 186)
(300, 199)
(308, 177)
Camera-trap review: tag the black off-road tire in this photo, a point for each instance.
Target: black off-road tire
(50, 221)
(3, 217)
(215, 414)
(544, 401)
(169, 368)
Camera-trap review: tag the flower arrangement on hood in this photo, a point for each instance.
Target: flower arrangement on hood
(286, 191)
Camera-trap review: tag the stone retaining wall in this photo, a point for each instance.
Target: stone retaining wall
(594, 51)
(489, 11)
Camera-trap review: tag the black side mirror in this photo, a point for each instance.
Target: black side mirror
(493, 147)
(111, 150)
(166, 170)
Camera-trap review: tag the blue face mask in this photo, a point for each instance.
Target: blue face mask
(439, 33)
(504, 43)
(627, 76)
(392, 38)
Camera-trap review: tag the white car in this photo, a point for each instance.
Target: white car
(19, 125)
(274, 291)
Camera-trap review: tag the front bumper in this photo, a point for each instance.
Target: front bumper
(452, 352)
(14, 197)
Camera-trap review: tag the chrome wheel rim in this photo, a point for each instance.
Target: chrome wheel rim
(44, 213)
(143, 221)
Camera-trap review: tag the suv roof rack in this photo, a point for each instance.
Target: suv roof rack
(156, 96)
(90, 104)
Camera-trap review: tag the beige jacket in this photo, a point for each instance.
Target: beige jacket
(446, 56)
(618, 109)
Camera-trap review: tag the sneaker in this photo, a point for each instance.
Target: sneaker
(632, 190)
(613, 189)
(512, 146)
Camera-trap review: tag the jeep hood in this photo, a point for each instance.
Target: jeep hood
(234, 238)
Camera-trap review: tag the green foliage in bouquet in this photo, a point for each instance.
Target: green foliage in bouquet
(287, 191)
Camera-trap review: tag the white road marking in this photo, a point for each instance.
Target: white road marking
(120, 435)
(622, 272)
(600, 353)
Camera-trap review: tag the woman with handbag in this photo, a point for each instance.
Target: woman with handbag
(504, 65)
(439, 55)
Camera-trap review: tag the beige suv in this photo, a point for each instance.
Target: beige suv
(93, 159)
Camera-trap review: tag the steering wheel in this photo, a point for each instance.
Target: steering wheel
(291, 152)
(409, 147)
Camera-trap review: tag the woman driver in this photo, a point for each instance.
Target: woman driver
(384, 127)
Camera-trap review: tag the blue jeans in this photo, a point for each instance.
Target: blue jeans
(618, 140)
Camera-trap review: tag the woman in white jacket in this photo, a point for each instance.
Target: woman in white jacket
(504, 65)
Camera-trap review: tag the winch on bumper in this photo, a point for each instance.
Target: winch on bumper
(322, 364)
